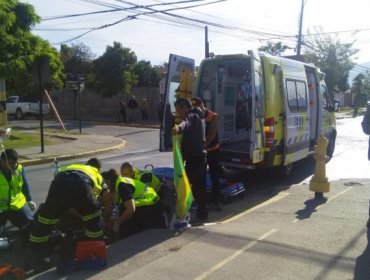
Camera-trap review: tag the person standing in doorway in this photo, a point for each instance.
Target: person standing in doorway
(193, 150)
(213, 148)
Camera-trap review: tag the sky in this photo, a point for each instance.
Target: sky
(246, 25)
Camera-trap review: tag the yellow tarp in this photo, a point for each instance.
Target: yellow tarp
(181, 182)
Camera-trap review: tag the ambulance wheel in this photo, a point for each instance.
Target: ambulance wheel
(331, 144)
(226, 199)
(285, 170)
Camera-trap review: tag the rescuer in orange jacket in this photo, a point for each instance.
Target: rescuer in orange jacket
(213, 148)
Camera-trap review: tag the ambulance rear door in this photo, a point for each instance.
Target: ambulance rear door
(256, 139)
(297, 115)
(179, 83)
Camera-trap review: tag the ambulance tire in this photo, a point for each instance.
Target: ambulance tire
(285, 170)
(331, 144)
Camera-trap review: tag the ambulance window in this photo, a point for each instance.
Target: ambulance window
(301, 96)
(325, 96)
(291, 96)
(207, 85)
(172, 93)
(296, 96)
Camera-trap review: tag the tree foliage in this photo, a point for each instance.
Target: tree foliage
(334, 58)
(274, 49)
(77, 58)
(20, 49)
(113, 71)
(147, 75)
(361, 84)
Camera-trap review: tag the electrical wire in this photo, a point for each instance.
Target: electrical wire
(116, 8)
(127, 18)
(186, 22)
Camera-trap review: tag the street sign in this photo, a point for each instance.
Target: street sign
(75, 81)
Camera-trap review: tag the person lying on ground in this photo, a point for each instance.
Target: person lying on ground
(139, 207)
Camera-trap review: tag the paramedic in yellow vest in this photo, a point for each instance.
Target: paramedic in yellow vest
(213, 148)
(77, 187)
(139, 207)
(128, 170)
(14, 192)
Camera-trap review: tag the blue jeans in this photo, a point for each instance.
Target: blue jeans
(18, 218)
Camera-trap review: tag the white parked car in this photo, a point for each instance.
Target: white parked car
(20, 106)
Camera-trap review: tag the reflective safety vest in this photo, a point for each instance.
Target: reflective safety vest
(11, 196)
(143, 195)
(90, 171)
(155, 183)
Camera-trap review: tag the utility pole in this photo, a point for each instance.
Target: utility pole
(300, 30)
(206, 42)
(79, 102)
(39, 70)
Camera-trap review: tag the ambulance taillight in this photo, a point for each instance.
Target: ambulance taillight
(269, 131)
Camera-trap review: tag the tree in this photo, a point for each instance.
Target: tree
(358, 84)
(146, 74)
(332, 56)
(20, 49)
(78, 58)
(113, 71)
(361, 85)
(274, 49)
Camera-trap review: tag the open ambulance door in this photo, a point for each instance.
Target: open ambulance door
(256, 139)
(179, 83)
(297, 114)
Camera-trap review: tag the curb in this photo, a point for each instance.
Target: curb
(144, 125)
(72, 156)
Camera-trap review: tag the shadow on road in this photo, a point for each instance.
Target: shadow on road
(310, 208)
(362, 269)
(270, 182)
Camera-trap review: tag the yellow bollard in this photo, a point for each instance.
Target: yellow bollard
(319, 182)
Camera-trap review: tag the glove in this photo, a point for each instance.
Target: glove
(32, 205)
(116, 227)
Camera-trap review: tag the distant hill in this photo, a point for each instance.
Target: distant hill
(357, 70)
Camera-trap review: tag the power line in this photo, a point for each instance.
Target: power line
(127, 18)
(116, 8)
(186, 22)
(180, 20)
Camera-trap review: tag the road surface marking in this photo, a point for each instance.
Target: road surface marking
(276, 198)
(330, 199)
(335, 196)
(233, 256)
